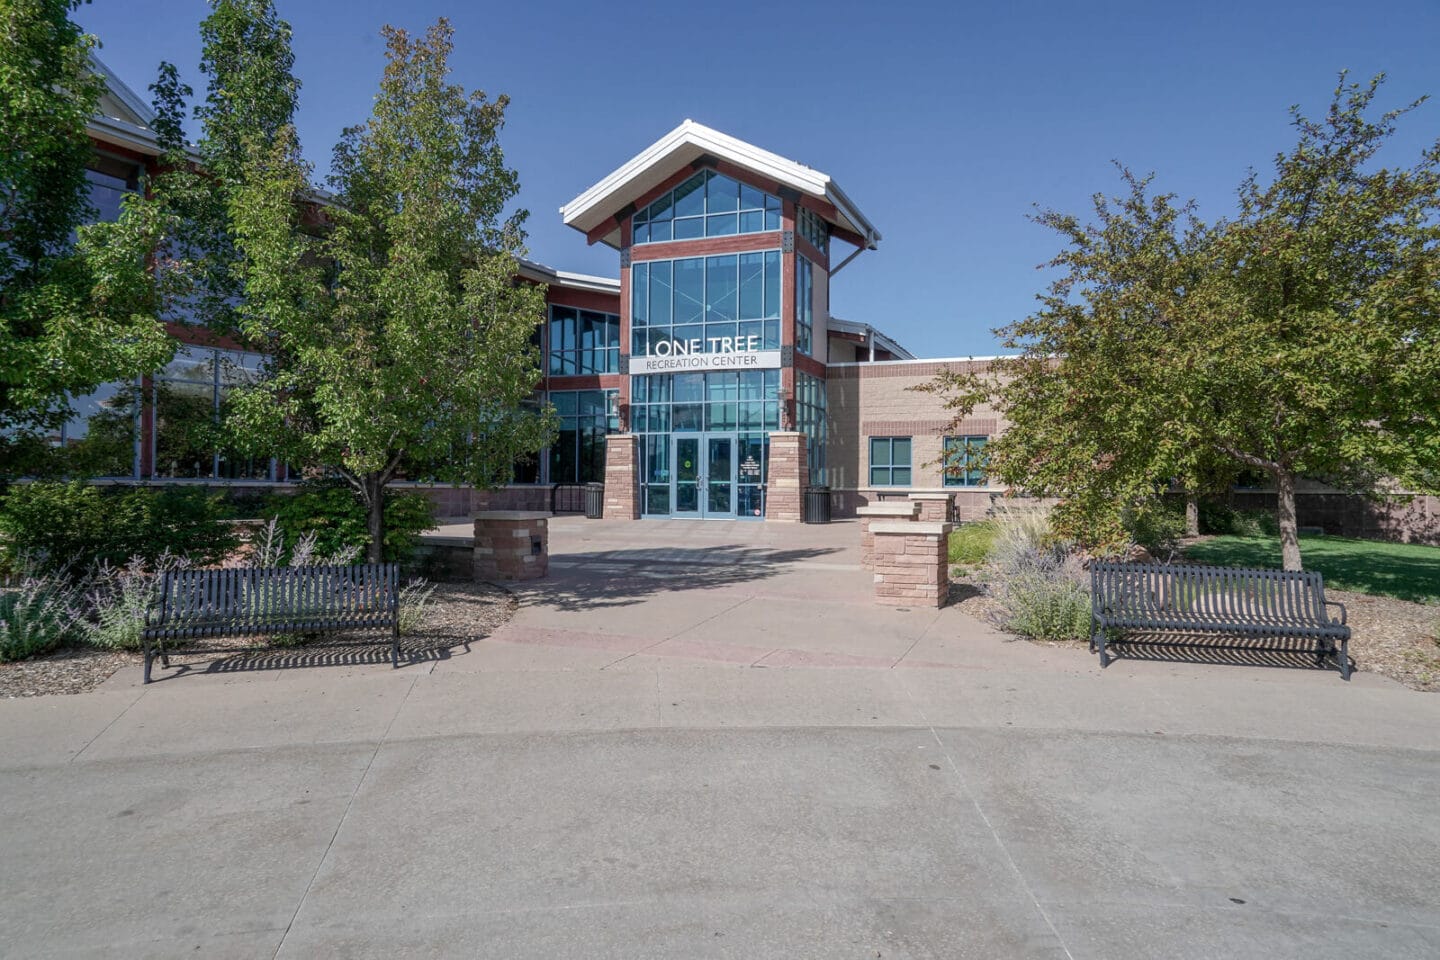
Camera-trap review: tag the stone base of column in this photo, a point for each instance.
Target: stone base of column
(934, 507)
(622, 477)
(911, 564)
(880, 513)
(512, 545)
(788, 477)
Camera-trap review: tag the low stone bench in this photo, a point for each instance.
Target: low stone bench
(881, 513)
(912, 568)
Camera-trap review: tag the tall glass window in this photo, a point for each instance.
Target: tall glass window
(889, 461)
(110, 180)
(804, 305)
(965, 461)
(583, 342)
(578, 454)
(814, 228)
(810, 420)
(704, 298)
(709, 204)
(189, 400)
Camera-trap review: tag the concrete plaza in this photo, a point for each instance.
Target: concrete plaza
(703, 739)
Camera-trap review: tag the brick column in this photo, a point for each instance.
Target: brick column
(511, 545)
(911, 568)
(622, 477)
(880, 513)
(788, 478)
(934, 507)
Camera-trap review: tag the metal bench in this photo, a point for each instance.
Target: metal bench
(1195, 599)
(198, 604)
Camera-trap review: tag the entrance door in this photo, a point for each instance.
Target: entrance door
(704, 472)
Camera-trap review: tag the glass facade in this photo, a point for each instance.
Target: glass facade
(804, 305)
(708, 204)
(704, 298)
(739, 405)
(813, 228)
(189, 398)
(583, 342)
(578, 454)
(810, 420)
(965, 461)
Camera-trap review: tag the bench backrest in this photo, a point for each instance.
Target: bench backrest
(1158, 590)
(276, 592)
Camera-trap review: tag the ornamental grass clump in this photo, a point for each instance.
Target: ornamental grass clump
(119, 597)
(1038, 581)
(414, 597)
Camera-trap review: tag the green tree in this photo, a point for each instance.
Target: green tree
(396, 330)
(1314, 345)
(1299, 339)
(78, 304)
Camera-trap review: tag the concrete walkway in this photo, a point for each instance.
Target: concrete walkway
(703, 740)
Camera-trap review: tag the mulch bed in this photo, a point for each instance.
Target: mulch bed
(1394, 638)
(457, 614)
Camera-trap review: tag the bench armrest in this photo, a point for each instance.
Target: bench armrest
(1333, 603)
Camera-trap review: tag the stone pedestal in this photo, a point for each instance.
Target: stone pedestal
(934, 507)
(898, 512)
(788, 477)
(511, 545)
(911, 563)
(622, 477)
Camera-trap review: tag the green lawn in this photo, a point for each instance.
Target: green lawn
(1406, 571)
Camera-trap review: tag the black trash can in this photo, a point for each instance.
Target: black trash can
(594, 500)
(817, 505)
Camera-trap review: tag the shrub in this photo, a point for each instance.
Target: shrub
(35, 616)
(1155, 524)
(1222, 520)
(332, 511)
(77, 526)
(970, 542)
(1038, 580)
(118, 598)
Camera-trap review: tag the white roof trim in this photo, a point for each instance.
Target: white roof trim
(866, 330)
(564, 278)
(122, 92)
(683, 145)
(882, 363)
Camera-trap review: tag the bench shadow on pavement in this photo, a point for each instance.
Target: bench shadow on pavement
(342, 653)
(1229, 651)
(618, 578)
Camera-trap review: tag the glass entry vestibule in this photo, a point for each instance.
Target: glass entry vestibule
(717, 476)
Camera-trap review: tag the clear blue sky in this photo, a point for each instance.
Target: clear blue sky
(944, 121)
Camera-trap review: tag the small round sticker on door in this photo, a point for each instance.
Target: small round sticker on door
(687, 464)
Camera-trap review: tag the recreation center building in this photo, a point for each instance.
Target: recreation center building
(709, 379)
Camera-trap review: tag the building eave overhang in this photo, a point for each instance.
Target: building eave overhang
(866, 331)
(686, 144)
(542, 273)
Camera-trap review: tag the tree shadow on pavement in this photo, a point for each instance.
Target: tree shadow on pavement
(619, 578)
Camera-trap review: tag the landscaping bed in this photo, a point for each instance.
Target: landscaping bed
(457, 614)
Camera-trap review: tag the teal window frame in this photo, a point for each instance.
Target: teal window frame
(965, 461)
(582, 342)
(886, 468)
(804, 305)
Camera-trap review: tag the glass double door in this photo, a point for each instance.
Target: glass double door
(704, 474)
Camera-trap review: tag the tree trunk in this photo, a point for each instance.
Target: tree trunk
(1285, 514)
(375, 518)
(1192, 515)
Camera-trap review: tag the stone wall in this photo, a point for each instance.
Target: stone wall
(511, 545)
(788, 477)
(911, 566)
(622, 483)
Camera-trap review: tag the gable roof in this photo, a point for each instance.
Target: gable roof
(686, 144)
(121, 117)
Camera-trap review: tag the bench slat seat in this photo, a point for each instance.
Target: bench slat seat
(1200, 599)
(204, 604)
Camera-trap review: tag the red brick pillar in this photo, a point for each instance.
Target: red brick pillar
(511, 545)
(788, 478)
(911, 564)
(880, 513)
(622, 477)
(934, 507)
